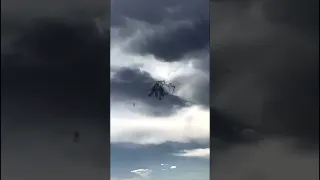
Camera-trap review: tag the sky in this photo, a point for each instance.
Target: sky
(264, 89)
(151, 138)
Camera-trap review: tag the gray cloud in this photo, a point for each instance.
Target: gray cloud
(177, 39)
(133, 85)
(176, 30)
(197, 86)
(155, 12)
(177, 42)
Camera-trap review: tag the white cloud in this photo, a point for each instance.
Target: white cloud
(142, 173)
(173, 167)
(148, 63)
(137, 171)
(121, 57)
(201, 153)
(190, 123)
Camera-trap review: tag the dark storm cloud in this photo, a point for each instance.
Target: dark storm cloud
(178, 39)
(177, 42)
(155, 12)
(273, 78)
(176, 30)
(133, 85)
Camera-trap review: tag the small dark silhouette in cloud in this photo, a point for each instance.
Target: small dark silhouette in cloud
(76, 136)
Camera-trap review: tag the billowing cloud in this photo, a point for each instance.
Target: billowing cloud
(188, 124)
(142, 173)
(121, 90)
(173, 43)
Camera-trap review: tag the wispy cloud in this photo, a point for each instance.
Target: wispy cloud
(142, 173)
(200, 153)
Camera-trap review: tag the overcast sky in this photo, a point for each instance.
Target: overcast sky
(264, 66)
(150, 41)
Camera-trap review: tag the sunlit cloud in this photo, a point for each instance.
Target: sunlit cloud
(200, 153)
(143, 173)
(188, 124)
(148, 63)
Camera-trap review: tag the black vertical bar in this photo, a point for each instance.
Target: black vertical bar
(55, 91)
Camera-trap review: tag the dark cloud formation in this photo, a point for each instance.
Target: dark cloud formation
(155, 12)
(54, 81)
(177, 39)
(133, 85)
(172, 31)
(174, 44)
(266, 75)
